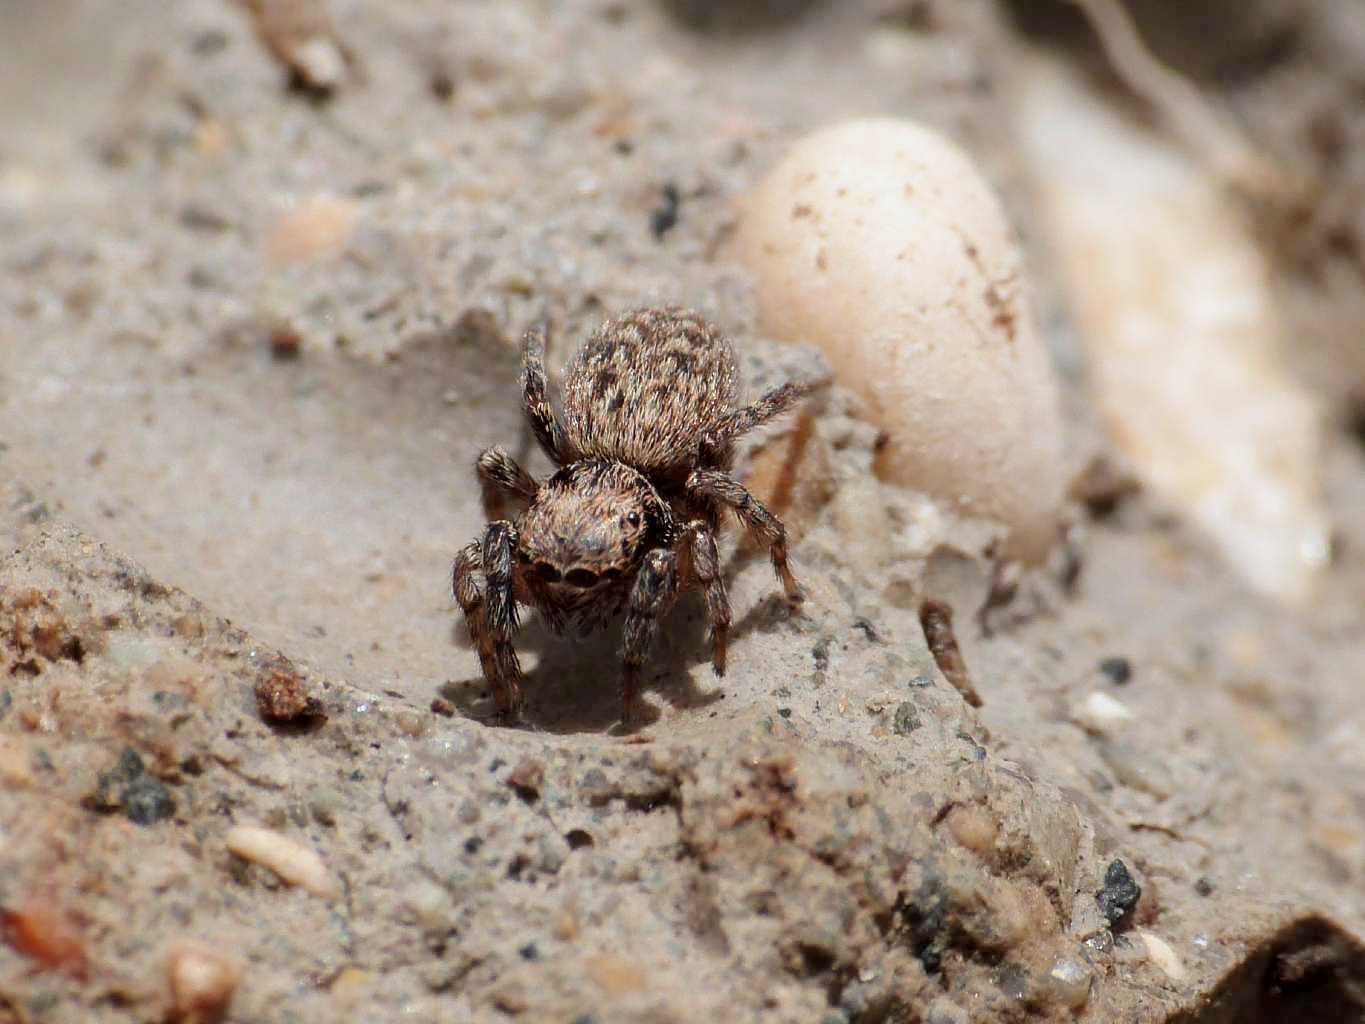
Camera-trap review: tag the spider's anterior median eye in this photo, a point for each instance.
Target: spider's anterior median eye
(547, 572)
(580, 578)
(633, 518)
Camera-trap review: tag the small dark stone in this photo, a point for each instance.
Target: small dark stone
(1119, 895)
(867, 628)
(208, 43)
(146, 801)
(906, 720)
(820, 652)
(529, 952)
(665, 215)
(1012, 979)
(577, 839)
(921, 682)
(1203, 887)
(785, 712)
(472, 844)
(1119, 670)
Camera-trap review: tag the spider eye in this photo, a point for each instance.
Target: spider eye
(580, 578)
(633, 518)
(547, 572)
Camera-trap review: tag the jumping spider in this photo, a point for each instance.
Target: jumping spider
(629, 520)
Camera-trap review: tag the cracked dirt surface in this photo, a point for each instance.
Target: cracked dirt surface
(234, 466)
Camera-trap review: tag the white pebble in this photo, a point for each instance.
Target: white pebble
(293, 862)
(1159, 951)
(880, 242)
(1099, 711)
(202, 981)
(1069, 981)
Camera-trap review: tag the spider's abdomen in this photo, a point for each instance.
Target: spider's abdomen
(646, 385)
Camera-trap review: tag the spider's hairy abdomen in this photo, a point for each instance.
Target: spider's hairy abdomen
(646, 385)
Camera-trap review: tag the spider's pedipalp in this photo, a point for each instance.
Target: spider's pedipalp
(503, 482)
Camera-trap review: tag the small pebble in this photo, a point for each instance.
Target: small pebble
(282, 696)
(616, 975)
(293, 862)
(1100, 712)
(1119, 895)
(1119, 670)
(1069, 981)
(146, 801)
(974, 827)
(202, 982)
(906, 720)
(1159, 951)
(318, 226)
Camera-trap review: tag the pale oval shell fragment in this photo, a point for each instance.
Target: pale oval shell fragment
(1172, 297)
(880, 242)
(292, 861)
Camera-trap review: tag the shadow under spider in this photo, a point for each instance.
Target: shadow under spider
(575, 685)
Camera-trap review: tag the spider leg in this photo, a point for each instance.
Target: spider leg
(699, 566)
(491, 613)
(714, 487)
(719, 438)
(534, 399)
(655, 587)
(503, 483)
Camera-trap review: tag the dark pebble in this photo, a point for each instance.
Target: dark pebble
(1203, 887)
(1119, 670)
(529, 952)
(146, 801)
(906, 720)
(1119, 895)
(665, 215)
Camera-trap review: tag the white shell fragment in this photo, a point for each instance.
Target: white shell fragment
(879, 241)
(1171, 294)
(1159, 951)
(294, 863)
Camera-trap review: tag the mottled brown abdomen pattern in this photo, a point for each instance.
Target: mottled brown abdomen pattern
(646, 385)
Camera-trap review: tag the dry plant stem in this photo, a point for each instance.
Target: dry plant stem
(936, 618)
(1209, 132)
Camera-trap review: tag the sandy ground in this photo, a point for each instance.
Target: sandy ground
(250, 343)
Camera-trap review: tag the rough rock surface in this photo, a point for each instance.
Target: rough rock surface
(250, 342)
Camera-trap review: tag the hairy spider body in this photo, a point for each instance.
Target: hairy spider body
(629, 520)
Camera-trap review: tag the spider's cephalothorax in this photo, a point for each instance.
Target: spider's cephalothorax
(629, 521)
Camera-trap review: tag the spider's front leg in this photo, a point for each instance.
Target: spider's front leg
(650, 598)
(699, 566)
(714, 487)
(491, 613)
(536, 401)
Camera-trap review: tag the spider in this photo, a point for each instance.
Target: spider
(629, 520)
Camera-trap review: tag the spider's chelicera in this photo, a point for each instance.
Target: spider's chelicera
(629, 520)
